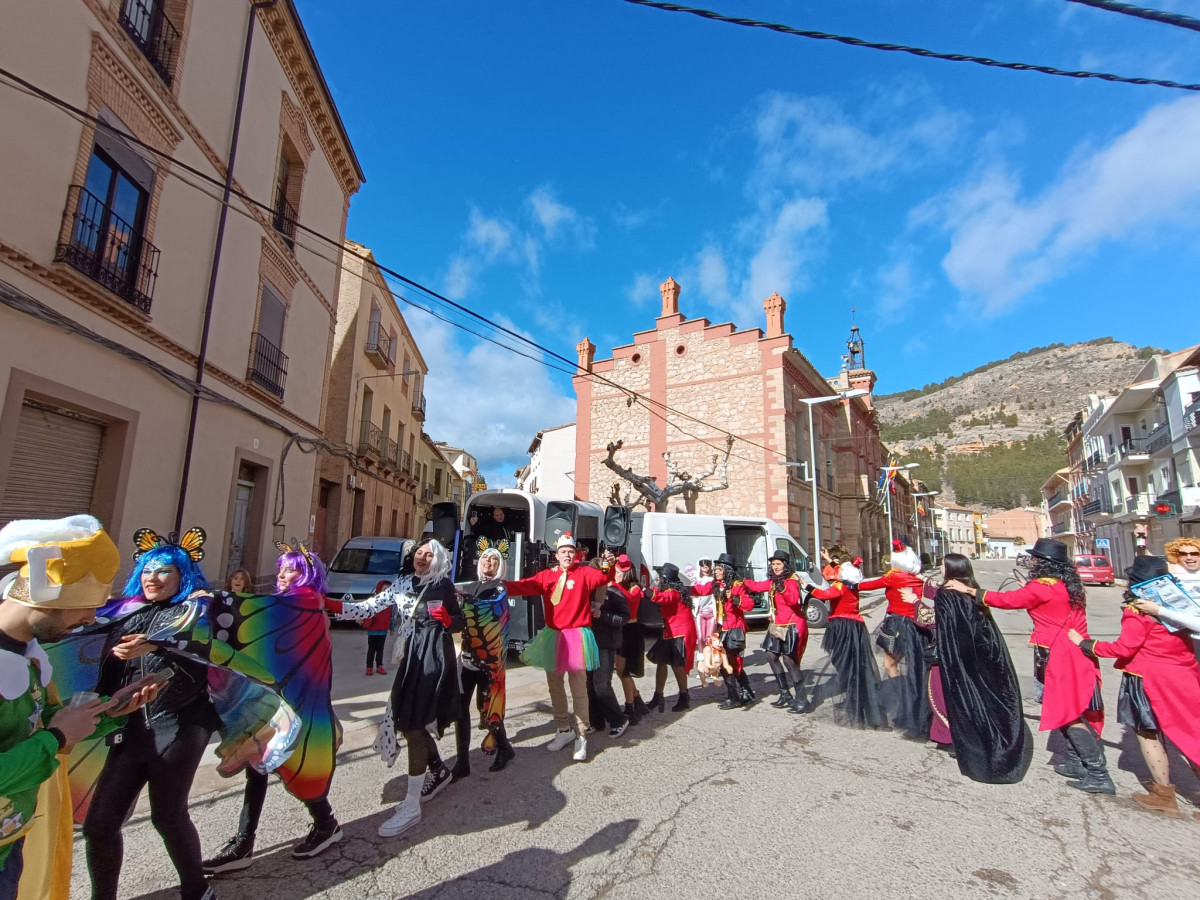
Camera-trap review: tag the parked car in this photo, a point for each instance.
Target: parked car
(1094, 569)
(361, 564)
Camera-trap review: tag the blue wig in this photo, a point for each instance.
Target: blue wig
(190, 577)
(310, 567)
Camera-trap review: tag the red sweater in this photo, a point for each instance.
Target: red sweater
(895, 585)
(844, 600)
(787, 607)
(738, 603)
(574, 609)
(633, 596)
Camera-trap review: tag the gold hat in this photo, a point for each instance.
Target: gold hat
(66, 563)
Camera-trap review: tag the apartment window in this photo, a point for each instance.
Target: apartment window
(404, 380)
(437, 481)
(289, 177)
(392, 346)
(268, 364)
(154, 33)
(106, 216)
(1164, 478)
(395, 515)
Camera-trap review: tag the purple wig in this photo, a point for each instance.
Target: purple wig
(311, 569)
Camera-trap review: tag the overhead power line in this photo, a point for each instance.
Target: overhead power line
(903, 48)
(561, 363)
(1141, 12)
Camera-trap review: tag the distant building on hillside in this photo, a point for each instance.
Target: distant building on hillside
(1003, 546)
(1024, 524)
(956, 528)
(551, 467)
(1059, 510)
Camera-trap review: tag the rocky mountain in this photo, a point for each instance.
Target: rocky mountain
(1009, 400)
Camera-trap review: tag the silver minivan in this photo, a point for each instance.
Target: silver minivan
(362, 563)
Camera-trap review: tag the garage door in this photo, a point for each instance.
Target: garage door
(53, 468)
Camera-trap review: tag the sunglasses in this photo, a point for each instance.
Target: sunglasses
(1188, 553)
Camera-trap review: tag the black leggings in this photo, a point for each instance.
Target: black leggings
(256, 794)
(132, 765)
(375, 644)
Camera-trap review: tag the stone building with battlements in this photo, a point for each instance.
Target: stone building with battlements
(683, 385)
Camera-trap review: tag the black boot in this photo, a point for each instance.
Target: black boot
(504, 750)
(800, 704)
(639, 706)
(785, 692)
(733, 696)
(684, 702)
(1071, 765)
(658, 702)
(632, 714)
(743, 681)
(237, 854)
(1095, 779)
(462, 744)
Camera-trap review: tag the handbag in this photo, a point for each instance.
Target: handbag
(734, 640)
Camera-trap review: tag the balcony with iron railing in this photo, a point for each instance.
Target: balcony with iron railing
(1062, 528)
(1094, 460)
(1101, 506)
(1160, 437)
(1138, 504)
(155, 35)
(1059, 496)
(1191, 417)
(283, 219)
(370, 440)
(107, 249)
(427, 492)
(268, 365)
(387, 453)
(406, 462)
(419, 406)
(378, 346)
(1134, 448)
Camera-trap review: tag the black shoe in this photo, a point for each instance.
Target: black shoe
(504, 755)
(798, 705)
(684, 702)
(658, 702)
(1071, 765)
(237, 854)
(640, 707)
(434, 782)
(731, 703)
(784, 699)
(1087, 745)
(632, 714)
(461, 770)
(320, 838)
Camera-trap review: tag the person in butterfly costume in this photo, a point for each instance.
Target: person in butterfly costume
(484, 647)
(293, 621)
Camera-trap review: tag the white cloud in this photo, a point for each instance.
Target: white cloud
(492, 237)
(485, 399)
(644, 289)
(713, 275)
(1004, 245)
(778, 265)
(899, 282)
(560, 221)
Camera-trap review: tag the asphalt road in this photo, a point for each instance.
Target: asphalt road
(747, 803)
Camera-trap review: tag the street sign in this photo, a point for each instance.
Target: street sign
(1101, 543)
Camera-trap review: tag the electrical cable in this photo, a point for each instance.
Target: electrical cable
(903, 48)
(1141, 12)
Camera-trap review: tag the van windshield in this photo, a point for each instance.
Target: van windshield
(366, 561)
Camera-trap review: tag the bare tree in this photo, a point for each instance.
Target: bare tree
(679, 482)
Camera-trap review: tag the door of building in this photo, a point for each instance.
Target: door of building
(240, 525)
(356, 518)
(54, 440)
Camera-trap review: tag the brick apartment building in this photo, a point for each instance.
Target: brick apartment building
(752, 385)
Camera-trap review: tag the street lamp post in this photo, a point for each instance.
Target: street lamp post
(918, 517)
(886, 471)
(810, 402)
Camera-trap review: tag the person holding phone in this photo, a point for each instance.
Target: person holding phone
(426, 689)
(1160, 687)
(37, 606)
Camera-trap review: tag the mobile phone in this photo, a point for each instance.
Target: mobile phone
(125, 694)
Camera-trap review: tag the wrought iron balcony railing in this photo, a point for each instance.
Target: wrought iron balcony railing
(284, 218)
(153, 32)
(378, 346)
(1134, 447)
(1096, 507)
(1160, 437)
(107, 249)
(370, 439)
(419, 406)
(268, 365)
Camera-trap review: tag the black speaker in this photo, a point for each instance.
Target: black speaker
(616, 527)
(560, 518)
(445, 523)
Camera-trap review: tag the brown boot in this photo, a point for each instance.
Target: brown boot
(1160, 799)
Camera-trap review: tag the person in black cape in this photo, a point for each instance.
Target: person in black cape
(992, 743)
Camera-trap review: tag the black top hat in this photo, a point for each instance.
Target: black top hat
(725, 560)
(1146, 567)
(780, 554)
(1048, 548)
(668, 573)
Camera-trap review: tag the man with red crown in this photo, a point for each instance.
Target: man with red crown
(566, 648)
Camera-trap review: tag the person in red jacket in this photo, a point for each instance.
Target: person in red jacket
(676, 649)
(1056, 601)
(1160, 687)
(733, 602)
(787, 635)
(906, 674)
(849, 648)
(631, 661)
(566, 648)
(377, 628)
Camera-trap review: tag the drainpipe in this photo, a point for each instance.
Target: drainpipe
(216, 261)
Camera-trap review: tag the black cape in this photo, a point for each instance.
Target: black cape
(983, 700)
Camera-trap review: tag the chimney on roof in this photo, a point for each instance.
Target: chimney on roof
(670, 296)
(587, 352)
(774, 307)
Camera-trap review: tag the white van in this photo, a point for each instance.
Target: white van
(682, 539)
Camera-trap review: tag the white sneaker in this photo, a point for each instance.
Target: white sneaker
(404, 817)
(618, 731)
(580, 749)
(560, 740)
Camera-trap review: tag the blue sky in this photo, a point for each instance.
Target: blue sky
(548, 163)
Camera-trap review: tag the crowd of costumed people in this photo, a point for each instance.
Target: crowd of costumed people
(105, 693)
